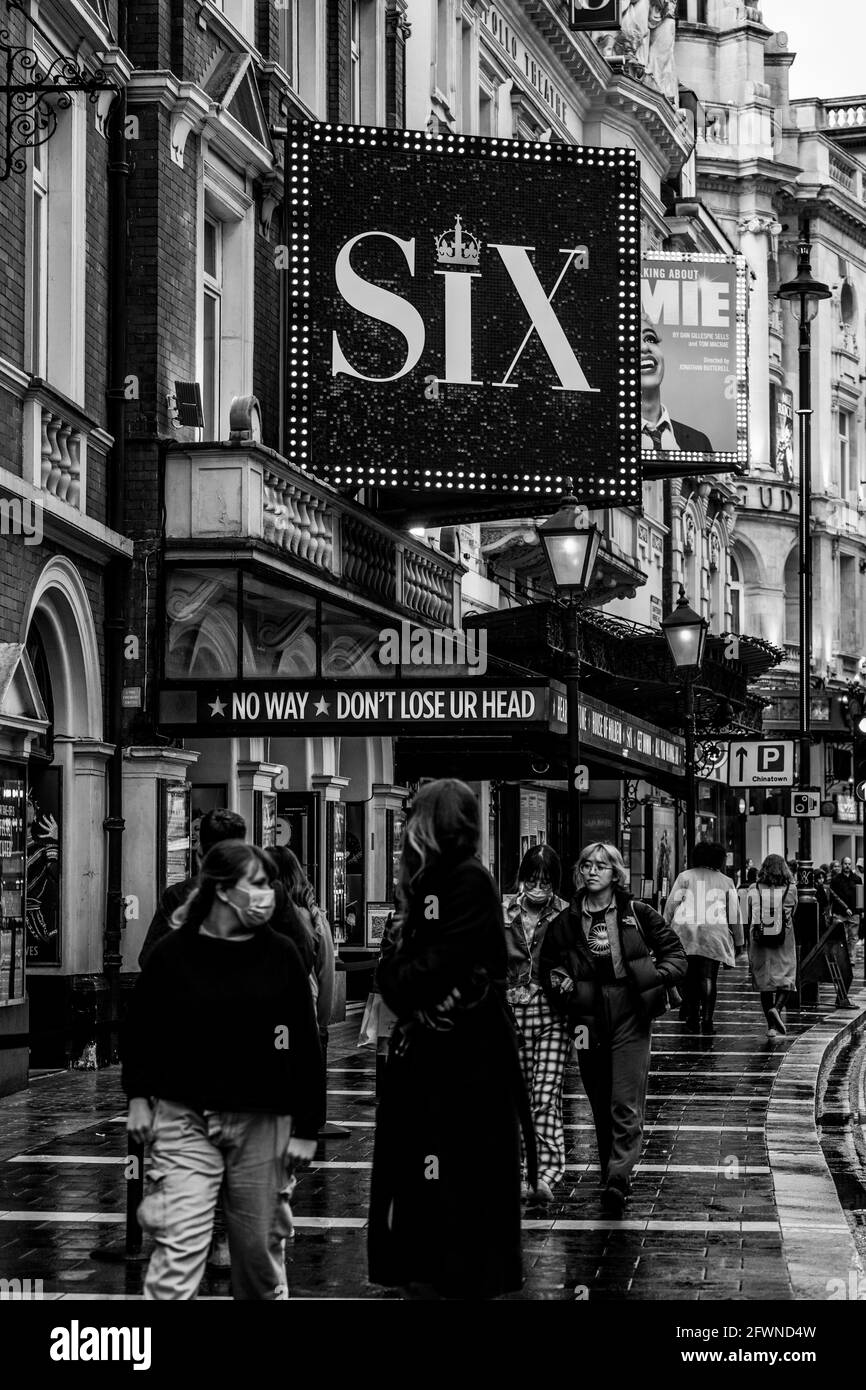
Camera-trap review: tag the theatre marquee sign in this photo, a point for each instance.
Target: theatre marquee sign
(296, 710)
(463, 317)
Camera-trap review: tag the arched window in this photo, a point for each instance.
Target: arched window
(792, 599)
(736, 598)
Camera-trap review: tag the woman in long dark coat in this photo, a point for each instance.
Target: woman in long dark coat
(445, 1196)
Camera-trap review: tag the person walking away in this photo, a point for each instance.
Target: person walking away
(704, 911)
(843, 886)
(214, 827)
(445, 1214)
(541, 1033)
(223, 1071)
(607, 963)
(770, 910)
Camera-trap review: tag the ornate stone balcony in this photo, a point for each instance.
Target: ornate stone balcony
(230, 494)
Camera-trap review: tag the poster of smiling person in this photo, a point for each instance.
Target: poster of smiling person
(693, 370)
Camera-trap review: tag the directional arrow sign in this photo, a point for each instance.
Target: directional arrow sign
(761, 764)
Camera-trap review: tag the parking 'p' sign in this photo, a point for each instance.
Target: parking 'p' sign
(761, 764)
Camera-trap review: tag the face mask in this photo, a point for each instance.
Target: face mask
(536, 894)
(257, 908)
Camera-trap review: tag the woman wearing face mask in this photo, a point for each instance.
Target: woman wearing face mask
(542, 1036)
(223, 1070)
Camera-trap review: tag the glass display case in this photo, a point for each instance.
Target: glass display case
(335, 875)
(12, 882)
(175, 833)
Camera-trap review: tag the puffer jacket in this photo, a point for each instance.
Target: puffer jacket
(651, 952)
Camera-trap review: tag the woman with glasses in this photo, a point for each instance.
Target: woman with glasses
(542, 1038)
(606, 964)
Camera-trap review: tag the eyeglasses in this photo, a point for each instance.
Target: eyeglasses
(595, 864)
(537, 881)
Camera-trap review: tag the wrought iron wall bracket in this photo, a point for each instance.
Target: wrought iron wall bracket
(31, 94)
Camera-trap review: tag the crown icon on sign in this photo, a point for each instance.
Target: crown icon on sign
(459, 248)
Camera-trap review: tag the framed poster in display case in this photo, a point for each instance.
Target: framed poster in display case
(44, 812)
(335, 875)
(599, 820)
(395, 826)
(174, 833)
(660, 855)
(265, 819)
(377, 921)
(12, 882)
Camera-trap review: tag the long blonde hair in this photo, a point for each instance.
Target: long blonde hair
(444, 823)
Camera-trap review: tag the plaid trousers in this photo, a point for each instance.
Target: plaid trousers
(544, 1047)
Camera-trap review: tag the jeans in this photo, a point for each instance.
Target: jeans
(615, 1073)
(193, 1159)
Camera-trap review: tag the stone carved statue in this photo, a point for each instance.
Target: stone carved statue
(662, 36)
(645, 42)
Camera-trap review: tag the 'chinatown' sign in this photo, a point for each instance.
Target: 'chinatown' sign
(463, 319)
(693, 366)
(296, 709)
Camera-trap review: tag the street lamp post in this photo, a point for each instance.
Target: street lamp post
(686, 634)
(743, 808)
(570, 549)
(804, 295)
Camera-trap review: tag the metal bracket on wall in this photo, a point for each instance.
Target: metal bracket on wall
(32, 92)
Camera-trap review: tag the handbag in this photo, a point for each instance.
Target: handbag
(774, 917)
(378, 1021)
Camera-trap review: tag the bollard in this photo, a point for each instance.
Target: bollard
(130, 1247)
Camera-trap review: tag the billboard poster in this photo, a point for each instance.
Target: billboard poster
(462, 320)
(782, 432)
(694, 393)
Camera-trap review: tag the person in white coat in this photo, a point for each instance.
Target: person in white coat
(704, 911)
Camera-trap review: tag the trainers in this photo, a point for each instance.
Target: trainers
(774, 1018)
(772, 1035)
(543, 1193)
(614, 1197)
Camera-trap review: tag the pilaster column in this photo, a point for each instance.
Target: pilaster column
(144, 769)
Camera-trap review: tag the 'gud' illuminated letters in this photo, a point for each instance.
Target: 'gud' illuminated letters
(460, 249)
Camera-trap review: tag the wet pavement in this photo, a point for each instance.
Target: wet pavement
(702, 1223)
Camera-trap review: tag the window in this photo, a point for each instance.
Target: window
(792, 599)
(212, 326)
(201, 634)
(736, 598)
(356, 60)
(467, 81)
(39, 263)
(58, 252)
(368, 60)
(443, 36)
(847, 480)
(290, 40)
(848, 608)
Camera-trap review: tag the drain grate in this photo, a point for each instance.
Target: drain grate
(858, 1217)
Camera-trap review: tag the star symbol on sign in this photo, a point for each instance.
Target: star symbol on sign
(322, 706)
(217, 707)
